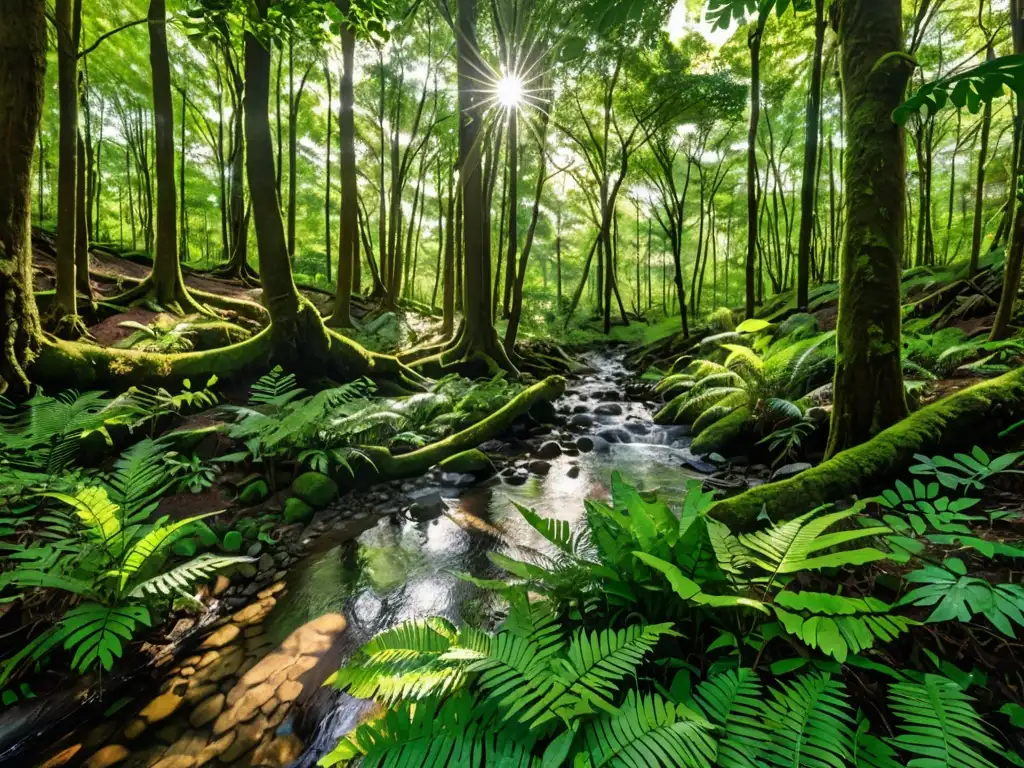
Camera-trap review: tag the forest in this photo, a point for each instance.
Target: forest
(541, 383)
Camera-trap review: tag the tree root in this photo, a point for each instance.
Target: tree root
(468, 356)
(417, 462)
(180, 302)
(956, 420)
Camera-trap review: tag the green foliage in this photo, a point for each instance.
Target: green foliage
(970, 88)
(191, 473)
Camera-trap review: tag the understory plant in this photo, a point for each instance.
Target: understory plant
(652, 636)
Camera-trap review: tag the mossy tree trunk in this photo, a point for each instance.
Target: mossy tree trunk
(348, 243)
(67, 21)
(869, 394)
(22, 80)
(978, 226)
(754, 42)
(1015, 253)
(82, 284)
(808, 199)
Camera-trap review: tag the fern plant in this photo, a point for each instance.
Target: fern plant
(109, 558)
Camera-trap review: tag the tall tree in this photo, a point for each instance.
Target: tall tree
(808, 196)
(67, 18)
(868, 389)
(347, 239)
(22, 80)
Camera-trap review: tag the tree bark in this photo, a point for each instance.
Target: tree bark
(754, 42)
(82, 284)
(513, 210)
(67, 16)
(347, 243)
(327, 184)
(807, 193)
(22, 83)
(977, 230)
(869, 394)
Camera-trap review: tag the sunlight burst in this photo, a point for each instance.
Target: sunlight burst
(510, 91)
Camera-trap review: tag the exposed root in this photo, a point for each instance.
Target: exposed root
(470, 357)
(179, 301)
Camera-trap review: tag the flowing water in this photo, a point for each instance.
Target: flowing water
(403, 569)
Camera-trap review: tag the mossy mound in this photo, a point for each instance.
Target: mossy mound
(296, 510)
(254, 493)
(473, 462)
(315, 489)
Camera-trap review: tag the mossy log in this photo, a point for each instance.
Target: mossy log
(415, 463)
(955, 421)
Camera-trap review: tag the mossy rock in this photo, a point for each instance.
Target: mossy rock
(473, 462)
(315, 489)
(296, 510)
(726, 434)
(254, 493)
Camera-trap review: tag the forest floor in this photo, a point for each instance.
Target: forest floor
(239, 678)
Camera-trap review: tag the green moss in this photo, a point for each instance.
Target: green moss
(297, 511)
(316, 489)
(472, 461)
(724, 433)
(958, 420)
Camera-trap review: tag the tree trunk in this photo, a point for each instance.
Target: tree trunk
(82, 284)
(754, 43)
(868, 388)
(22, 82)
(327, 184)
(67, 17)
(807, 192)
(448, 295)
(513, 210)
(347, 243)
(1015, 253)
(977, 230)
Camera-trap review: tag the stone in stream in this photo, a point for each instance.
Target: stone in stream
(580, 409)
(518, 477)
(615, 435)
(583, 420)
(789, 470)
(637, 427)
(585, 444)
(473, 461)
(608, 409)
(699, 466)
(548, 450)
(427, 505)
(539, 466)
(574, 471)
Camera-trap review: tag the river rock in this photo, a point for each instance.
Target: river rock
(609, 394)
(608, 409)
(582, 420)
(112, 754)
(585, 444)
(637, 427)
(548, 450)
(428, 505)
(580, 409)
(574, 471)
(789, 470)
(207, 711)
(697, 465)
(539, 466)
(160, 708)
(473, 462)
(717, 458)
(518, 477)
(615, 435)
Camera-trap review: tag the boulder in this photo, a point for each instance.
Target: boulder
(315, 489)
(539, 466)
(608, 409)
(585, 444)
(615, 435)
(574, 471)
(583, 420)
(296, 510)
(474, 462)
(548, 450)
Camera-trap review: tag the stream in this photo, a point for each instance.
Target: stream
(403, 569)
(251, 694)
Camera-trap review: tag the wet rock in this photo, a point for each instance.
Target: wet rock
(457, 480)
(428, 505)
(574, 471)
(316, 489)
(697, 465)
(207, 711)
(539, 466)
(580, 409)
(134, 729)
(585, 444)
(282, 750)
(548, 450)
(789, 470)
(221, 637)
(608, 409)
(296, 510)
(637, 427)
(518, 477)
(160, 708)
(717, 458)
(220, 585)
(246, 737)
(609, 394)
(615, 435)
(266, 563)
(582, 420)
(112, 754)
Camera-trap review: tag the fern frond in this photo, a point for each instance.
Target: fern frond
(95, 632)
(138, 556)
(97, 512)
(140, 477)
(182, 576)
(732, 701)
(649, 731)
(810, 724)
(938, 722)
